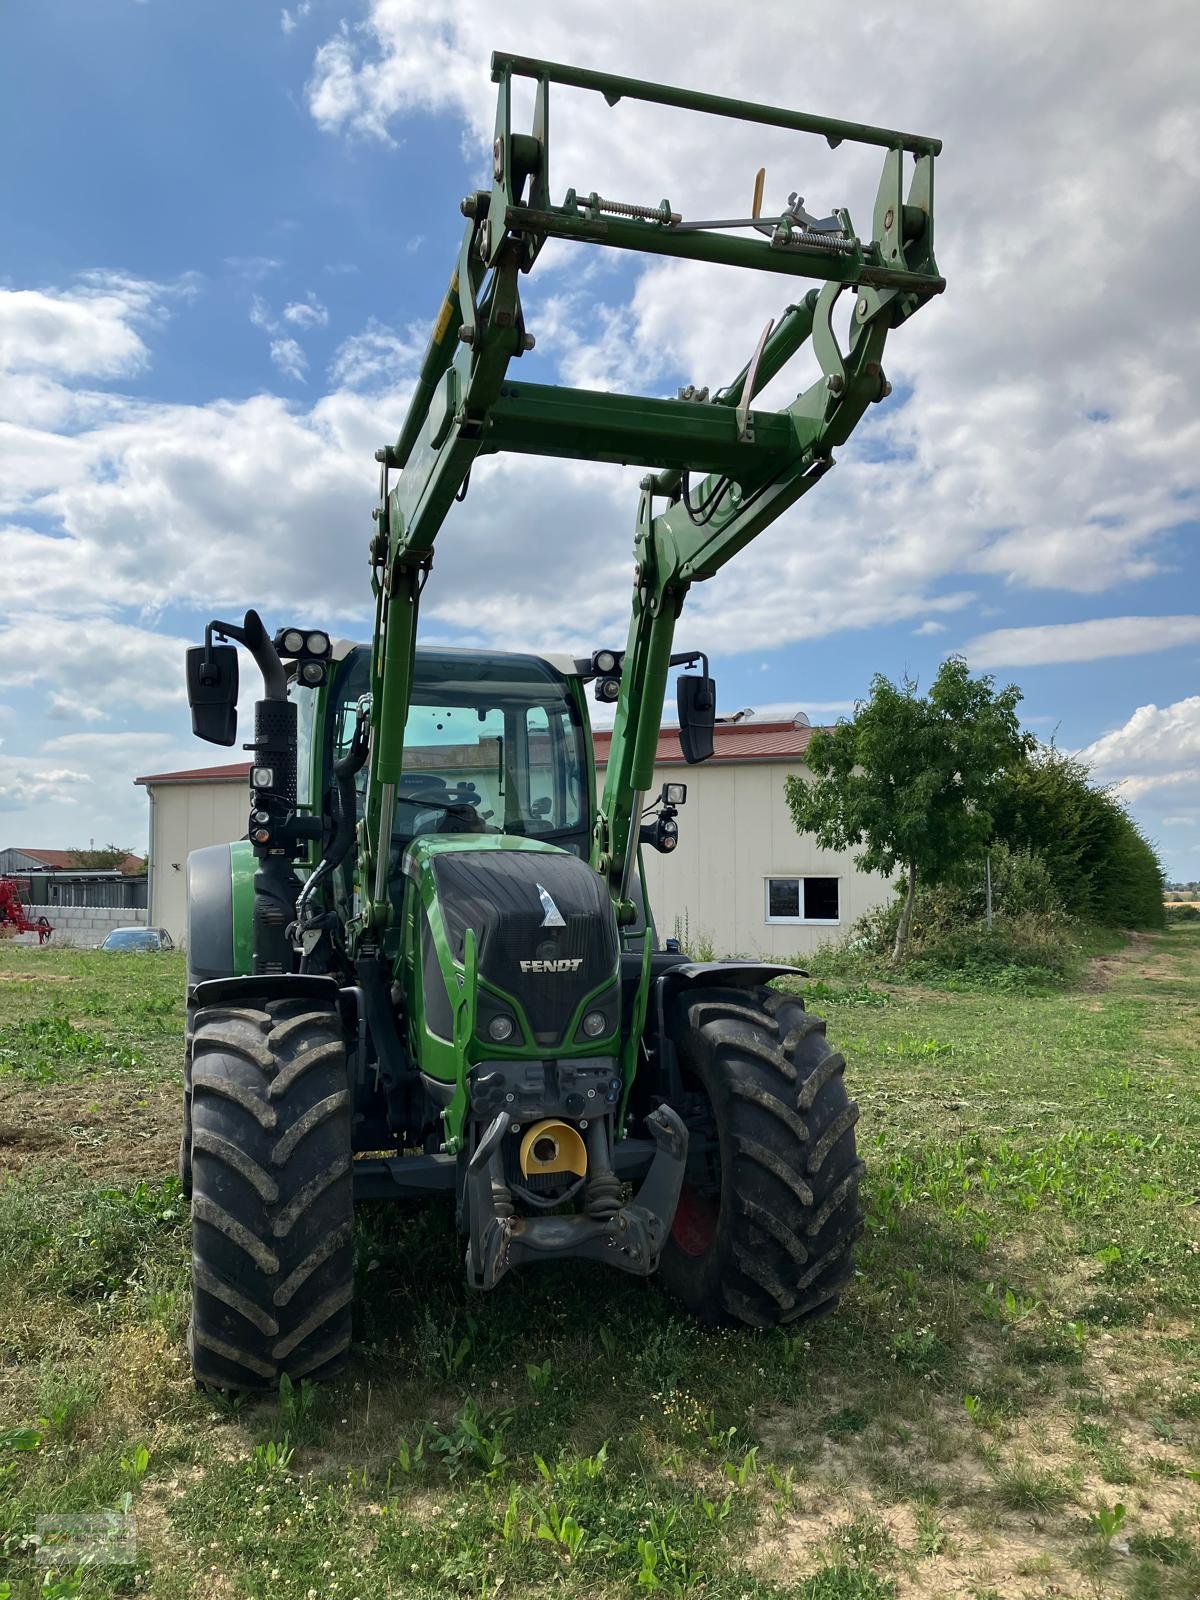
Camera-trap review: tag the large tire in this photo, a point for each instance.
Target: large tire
(763, 1235)
(272, 1193)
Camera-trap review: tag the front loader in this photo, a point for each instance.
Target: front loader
(429, 969)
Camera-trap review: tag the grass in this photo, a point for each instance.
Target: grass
(1018, 1357)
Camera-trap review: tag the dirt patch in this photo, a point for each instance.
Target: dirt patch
(1140, 952)
(108, 1127)
(38, 977)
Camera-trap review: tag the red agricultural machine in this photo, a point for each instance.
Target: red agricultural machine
(13, 916)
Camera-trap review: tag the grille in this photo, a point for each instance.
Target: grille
(498, 893)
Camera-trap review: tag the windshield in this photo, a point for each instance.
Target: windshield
(492, 745)
(132, 939)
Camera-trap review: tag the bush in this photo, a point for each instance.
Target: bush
(1033, 943)
(1101, 864)
(1183, 913)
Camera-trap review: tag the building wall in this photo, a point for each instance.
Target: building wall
(187, 816)
(734, 832)
(85, 926)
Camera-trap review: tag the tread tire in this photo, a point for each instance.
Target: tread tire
(272, 1193)
(786, 1172)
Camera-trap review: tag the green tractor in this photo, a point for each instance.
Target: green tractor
(429, 969)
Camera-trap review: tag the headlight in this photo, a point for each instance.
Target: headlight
(293, 641)
(318, 644)
(500, 1028)
(595, 1024)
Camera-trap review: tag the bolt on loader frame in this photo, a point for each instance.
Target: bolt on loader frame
(468, 998)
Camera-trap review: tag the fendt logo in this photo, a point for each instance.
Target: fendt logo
(566, 964)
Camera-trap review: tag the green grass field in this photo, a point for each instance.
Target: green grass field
(1006, 1405)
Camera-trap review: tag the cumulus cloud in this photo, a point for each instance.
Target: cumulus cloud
(1081, 641)
(92, 660)
(25, 783)
(1043, 440)
(1158, 747)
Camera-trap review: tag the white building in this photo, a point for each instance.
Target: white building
(741, 880)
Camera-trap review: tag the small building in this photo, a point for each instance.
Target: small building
(83, 904)
(189, 809)
(741, 882)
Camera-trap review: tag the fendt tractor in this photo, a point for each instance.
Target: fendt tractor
(430, 968)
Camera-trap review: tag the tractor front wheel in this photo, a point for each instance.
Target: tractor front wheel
(770, 1209)
(269, 1156)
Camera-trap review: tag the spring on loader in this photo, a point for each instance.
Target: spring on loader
(621, 208)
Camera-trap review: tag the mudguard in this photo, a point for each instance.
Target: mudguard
(209, 914)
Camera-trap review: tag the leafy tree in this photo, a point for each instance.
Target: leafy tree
(1104, 868)
(913, 779)
(102, 860)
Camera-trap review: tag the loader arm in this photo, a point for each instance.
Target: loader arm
(751, 464)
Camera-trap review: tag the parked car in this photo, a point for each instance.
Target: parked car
(138, 939)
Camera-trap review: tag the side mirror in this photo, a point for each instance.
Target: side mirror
(697, 714)
(212, 684)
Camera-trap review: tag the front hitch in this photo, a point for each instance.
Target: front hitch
(631, 1238)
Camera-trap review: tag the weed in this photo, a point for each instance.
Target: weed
(135, 1464)
(1106, 1522)
(538, 1375)
(557, 1526)
(474, 1438)
(741, 1472)
(274, 1457)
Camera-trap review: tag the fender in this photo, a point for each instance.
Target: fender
(699, 975)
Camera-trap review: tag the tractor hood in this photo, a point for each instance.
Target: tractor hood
(545, 931)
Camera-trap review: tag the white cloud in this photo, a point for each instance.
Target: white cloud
(375, 356)
(96, 662)
(306, 313)
(1179, 822)
(25, 783)
(63, 707)
(1081, 641)
(288, 356)
(1044, 440)
(88, 331)
(289, 21)
(1158, 747)
(929, 628)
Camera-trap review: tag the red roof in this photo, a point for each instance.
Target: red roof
(65, 861)
(732, 741)
(235, 772)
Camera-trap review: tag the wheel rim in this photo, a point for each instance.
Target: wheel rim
(695, 1225)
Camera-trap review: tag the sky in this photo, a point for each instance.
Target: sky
(229, 226)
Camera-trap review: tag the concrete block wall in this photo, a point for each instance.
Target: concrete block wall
(85, 926)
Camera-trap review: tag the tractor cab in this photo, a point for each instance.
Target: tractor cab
(493, 744)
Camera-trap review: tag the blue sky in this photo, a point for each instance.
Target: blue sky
(228, 227)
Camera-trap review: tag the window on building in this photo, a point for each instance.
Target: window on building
(803, 899)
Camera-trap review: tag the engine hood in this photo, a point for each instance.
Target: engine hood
(543, 920)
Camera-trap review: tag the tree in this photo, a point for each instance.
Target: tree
(912, 779)
(102, 860)
(1104, 868)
